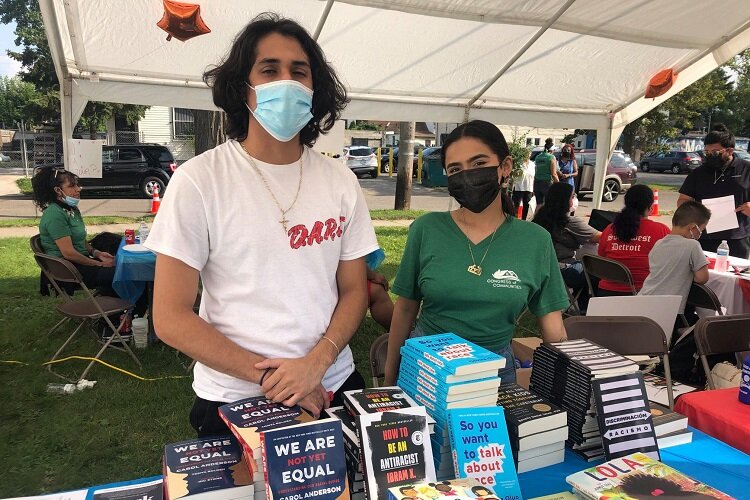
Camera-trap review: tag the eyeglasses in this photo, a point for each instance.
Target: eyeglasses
(714, 153)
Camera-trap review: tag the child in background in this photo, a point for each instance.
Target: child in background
(379, 302)
(677, 259)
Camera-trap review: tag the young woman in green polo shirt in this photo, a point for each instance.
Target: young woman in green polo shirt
(62, 231)
(472, 271)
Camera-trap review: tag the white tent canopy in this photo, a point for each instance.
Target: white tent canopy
(542, 63)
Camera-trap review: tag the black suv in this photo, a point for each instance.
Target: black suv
(133, 166)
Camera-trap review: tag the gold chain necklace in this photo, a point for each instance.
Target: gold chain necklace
(283, 220)
(475, 268)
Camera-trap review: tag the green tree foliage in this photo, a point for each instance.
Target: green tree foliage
(519, 151)
(37, 68)
(19, 100)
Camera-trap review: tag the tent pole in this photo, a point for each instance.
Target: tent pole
(322, 20)
(66, 111)
(603, 142)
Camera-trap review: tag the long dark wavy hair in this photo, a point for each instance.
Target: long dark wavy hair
(43, 186)
(553, 215)
(227, 79)
(628, 221)
(491, 136)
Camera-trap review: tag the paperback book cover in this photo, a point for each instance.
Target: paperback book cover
(452, 354)
(482, 451)
(305, 461)
(449, 392)
(526, 413)
(396, 450)
(442, 400)
(666, 421)
(594, 358)
(139, 489)
(625, 421)
(638, 476)
(204, 465)
(379, 399)
(455, 489)
(247, 417)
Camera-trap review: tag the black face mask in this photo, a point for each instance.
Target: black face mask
(475, 188)
(717, 162)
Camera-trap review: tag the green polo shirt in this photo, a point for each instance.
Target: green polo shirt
(57, 223)
(543, 163)
(520, 268)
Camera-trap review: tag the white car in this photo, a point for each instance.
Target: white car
(361, 160)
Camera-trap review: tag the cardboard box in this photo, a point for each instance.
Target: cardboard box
(523, 350)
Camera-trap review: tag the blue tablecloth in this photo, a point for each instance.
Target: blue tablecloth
(705, 459)
(132, 272)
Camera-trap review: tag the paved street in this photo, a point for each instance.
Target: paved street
(379, 193)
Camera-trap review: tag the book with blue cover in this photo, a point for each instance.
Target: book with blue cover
(482, 451)
(443, 400)
(453, 391)
(305, 461)
(413, 358)
(453, 354)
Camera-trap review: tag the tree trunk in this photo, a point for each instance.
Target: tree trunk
(405, 163)
(628, 139)
(209, 129)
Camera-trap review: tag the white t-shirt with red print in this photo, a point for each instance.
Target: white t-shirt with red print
(271, 291)
(632, 254)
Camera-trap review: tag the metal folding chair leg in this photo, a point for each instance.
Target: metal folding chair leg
(115, 336)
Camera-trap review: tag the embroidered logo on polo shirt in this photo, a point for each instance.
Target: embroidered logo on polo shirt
(505, 279)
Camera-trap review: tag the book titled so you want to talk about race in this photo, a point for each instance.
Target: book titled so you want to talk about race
(210, 468)
(482, 451)
(305, 461)
(396, 450)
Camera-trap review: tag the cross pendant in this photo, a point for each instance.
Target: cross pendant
(283, 222)
(475, 269)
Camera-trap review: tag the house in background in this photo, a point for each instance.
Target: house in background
(171, 127)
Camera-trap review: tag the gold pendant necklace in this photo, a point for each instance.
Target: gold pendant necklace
(283, 220)
(474, 268)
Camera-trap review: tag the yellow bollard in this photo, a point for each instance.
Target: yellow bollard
(419, 166)
(390, 162)
(380, 167)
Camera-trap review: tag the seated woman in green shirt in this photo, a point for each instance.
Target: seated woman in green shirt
(62, 231)
(472, 271)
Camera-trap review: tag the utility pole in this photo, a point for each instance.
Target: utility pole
(405, 163)
(23, 150)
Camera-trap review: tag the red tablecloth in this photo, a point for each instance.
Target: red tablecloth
(719, 414)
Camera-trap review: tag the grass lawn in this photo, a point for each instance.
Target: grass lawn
(663, 187)
(117, 430)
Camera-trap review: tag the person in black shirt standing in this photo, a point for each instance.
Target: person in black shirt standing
(722, 174)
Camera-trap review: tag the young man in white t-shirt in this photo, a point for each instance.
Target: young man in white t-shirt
(276, 232)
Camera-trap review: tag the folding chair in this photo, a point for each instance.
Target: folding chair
(625, 335)
(722, 335)
(86, 310)
(378, 355)
(573, 309)
(608, 269)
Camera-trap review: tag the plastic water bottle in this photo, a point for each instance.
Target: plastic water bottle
(143, 232)
(61, 388)
(722, 257)
(745, 382)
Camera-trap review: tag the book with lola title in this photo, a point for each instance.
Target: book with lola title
(396, 450)
(211, 468)
(305, 459)
(639, 476)
(482, 451)
(452, 354)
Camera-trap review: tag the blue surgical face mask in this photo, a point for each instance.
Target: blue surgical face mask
(70, 201)
(282, 108)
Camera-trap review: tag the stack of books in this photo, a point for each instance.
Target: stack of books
(670, 426)
(638, 476)
(562, 374)
(366, 402)
(247, 419)
(537, 428)
(443, 372)
(353, 452)
(207, 468)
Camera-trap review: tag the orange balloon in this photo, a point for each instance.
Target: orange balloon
(182, 21)
(660, 83)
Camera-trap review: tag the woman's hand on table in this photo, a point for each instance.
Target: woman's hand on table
(291, 379)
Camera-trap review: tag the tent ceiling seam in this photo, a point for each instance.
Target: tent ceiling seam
(323, 19)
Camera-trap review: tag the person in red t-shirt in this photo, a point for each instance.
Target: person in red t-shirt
(630, 238)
